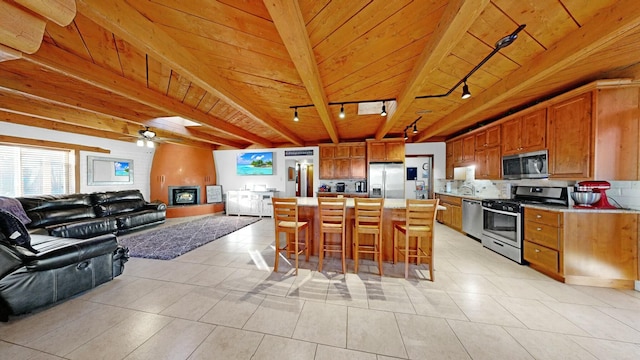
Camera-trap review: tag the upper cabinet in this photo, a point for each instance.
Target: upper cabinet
(464, 151)
(570, 138)
(343, 161)
(525, 133)
(391, 150)
(489, 137)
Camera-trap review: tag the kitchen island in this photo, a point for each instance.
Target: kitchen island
(394, 211)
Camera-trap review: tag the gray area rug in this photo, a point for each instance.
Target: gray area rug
(169, 242)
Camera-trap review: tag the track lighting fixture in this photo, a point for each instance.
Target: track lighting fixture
(465, 91)
(414, 124)
(361, 103)
(500, 44)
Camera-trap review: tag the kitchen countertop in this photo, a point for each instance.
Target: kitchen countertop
(388, 203)
(464, 196)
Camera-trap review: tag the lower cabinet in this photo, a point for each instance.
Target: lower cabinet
(452, 216)
(257, 203)
(591, 248)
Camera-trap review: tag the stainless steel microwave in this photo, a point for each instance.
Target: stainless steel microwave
(532, 165)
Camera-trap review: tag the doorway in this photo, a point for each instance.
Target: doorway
(304, 179)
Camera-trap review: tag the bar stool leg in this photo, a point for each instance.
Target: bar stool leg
(321, 254)
(379, 252)
(355, 251)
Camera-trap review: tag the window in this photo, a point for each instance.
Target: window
(26, 171)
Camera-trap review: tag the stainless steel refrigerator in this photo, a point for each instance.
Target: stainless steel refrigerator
(386, 180)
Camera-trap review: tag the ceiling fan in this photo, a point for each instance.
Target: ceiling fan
(146, 137)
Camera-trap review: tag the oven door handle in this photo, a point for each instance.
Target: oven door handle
(501, 212)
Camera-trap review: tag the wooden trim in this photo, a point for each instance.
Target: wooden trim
(50, 144)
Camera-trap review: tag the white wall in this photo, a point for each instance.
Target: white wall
(225, 161)
(142, 156)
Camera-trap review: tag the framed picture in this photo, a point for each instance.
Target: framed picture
(291, 174)
(109, 171)
(255, 163)
(412, 173)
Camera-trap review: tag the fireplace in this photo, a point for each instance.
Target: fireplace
(184, 195)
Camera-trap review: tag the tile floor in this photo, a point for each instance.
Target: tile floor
(222, 301)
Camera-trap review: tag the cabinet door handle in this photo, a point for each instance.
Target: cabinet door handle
(539, 229)
(538, 216)
(537, 250)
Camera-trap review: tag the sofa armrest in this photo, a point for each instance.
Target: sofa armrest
(156, 205)
(56, 252)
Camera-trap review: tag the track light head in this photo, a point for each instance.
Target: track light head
(384, 110)
(406, 137)
(295, 115)
(341, 111)
(415, 128)
(465, 91)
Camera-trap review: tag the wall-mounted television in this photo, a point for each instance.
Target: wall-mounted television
(255, 163)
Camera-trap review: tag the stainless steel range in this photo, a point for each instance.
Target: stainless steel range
(503, 219)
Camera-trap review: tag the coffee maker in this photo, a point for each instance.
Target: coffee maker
(361, 186)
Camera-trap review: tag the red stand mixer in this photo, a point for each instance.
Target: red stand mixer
(592, 195)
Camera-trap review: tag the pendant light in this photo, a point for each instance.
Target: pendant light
(295, 115)
(341, 111)
(384, 110)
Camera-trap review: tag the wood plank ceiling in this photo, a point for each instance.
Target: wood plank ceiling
(236, 67)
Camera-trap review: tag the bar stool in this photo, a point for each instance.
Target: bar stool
(418, 225)
(368, 221)
(332, 212)
(285, 216)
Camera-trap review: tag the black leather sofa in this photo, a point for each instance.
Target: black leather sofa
(82, 216)
(39, 270)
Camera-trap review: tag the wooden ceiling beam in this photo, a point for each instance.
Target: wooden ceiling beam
(288, 20)
(455, 22)
(7, 53)
(127, 23)
(29, 105)
(62, 62)
(612, 23)
(20, 29)
(60, 12)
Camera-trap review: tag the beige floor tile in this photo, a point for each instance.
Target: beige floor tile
(545, 345)
(389, 298)
(565, 293)
(436, 303)
(177, 340)
(129, 293)
(626, 316)
(161, 297)
(275, 284)
(611, 297)
(323, 324)
(477, 284)
(537, 316)
(518, 288)
(139, 327)
(72, 335)
(488, 342)
(429, 338)
(276, 316)
(278, 348)
(212, 276)
(234, 309)
(332, 353)
(484, 309)
(17, 352)
(607, 349)
(26, 328)
(228, 343)
(196, 303)
(309, 286)
(243, 279)
(181, 271)
(596, 323)
(374, 331)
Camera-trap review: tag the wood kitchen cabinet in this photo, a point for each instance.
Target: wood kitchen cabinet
(343, 161)
(464, 151)
(543, 241)
(391, 150)
(449, 160)
(525, 133)
(487, 138)
(452, 216)
(489, 164)
(570, 138)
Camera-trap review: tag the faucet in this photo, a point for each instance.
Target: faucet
(469, 187)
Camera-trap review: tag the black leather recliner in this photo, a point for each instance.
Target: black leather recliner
(38, 270)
